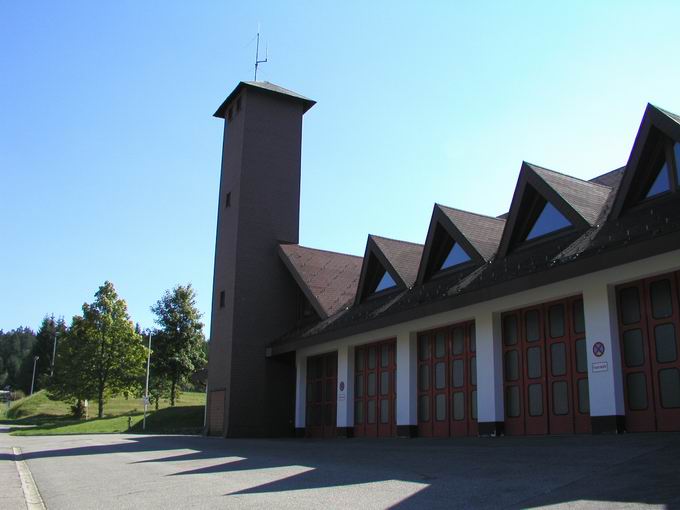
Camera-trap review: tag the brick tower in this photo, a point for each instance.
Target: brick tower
(254, 297)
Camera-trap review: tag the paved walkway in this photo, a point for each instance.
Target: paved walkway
(165, 472)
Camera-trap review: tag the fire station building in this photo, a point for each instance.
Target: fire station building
(560, 317)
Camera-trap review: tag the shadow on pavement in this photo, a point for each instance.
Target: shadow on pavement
(467, 472)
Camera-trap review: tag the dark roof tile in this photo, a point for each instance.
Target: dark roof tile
(483, 232)
(404, 257)
(587, 198)
(330, 277)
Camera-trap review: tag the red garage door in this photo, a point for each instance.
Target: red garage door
(649, 325)
(374, 390)
(545, 369)
(447, 381)
(322, 378)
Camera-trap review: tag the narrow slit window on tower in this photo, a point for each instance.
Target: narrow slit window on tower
(661, 182)
(676, 151)
(222, 299)
(386, 282)
(230, 114)
(227, 200)
(548, 221)
(238, 104)
(455, 257)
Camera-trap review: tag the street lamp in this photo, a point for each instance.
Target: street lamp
(54, 354)
(146, 391)
(35, 362)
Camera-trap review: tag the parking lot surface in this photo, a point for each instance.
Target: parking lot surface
(135, 471)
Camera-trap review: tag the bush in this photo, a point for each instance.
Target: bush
(79, 410)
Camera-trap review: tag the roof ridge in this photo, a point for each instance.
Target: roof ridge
(534, 166)
(469, 212)
(661, 109)
(395, 240)
(321, 249)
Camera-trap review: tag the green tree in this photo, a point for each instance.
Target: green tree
(101, 355)
(16, 346)
(51, 330)
(178, 344)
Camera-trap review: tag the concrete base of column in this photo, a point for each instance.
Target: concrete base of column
(608, 424)
(491, 428)
(407, 431)
(347, 432)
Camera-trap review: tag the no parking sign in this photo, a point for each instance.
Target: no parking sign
(598, 349)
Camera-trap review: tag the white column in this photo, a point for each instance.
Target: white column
(407, 373)
(605, 379)
(490, 410)
(300, 390)
(345, 389)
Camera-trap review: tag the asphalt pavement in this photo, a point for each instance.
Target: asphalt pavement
(167, 472)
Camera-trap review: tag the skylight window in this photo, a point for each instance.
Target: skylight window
(661, 183)
(456, 256)
(550, 220)
(386, 282)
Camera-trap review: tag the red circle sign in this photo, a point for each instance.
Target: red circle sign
(598, 349)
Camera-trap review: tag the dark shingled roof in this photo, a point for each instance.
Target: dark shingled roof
(586, 197)
(483, 232)
(328, 279)
(266, 87)
(404, 257)
(673, 116)
(601, 241)
(611, 179)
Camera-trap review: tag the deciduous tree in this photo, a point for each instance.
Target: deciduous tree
(178, 344)
(101, 356)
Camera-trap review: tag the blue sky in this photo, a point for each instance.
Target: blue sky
(109, 154)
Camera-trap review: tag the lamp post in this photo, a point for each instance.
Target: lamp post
(35, 362)
(146, 391)
(54, 354)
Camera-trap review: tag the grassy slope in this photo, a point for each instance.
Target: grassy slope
(52, 417)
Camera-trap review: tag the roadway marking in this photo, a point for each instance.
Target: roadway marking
(33, 499)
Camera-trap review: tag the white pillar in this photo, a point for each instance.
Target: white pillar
(300, 391)
(605, 380)
(490, 410)
(407, 391)
(345, 390)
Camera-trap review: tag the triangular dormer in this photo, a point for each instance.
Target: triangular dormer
(653, 168)
(547, 204)
(389, 265)
(457, 240)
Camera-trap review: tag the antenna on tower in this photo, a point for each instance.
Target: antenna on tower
(257, 52)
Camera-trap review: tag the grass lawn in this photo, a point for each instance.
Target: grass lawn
(49, 417)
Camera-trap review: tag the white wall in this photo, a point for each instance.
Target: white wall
(606, 393)
(345, 411)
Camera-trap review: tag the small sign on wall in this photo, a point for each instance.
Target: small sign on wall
(341, 387)
(600, 366)
(598, 349)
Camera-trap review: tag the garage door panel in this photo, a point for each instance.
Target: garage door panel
(447, 381)
(375, 390)
(321, 399)
(545, 369)
(648, 313)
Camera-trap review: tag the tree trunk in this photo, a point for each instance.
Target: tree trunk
(172, 392)
(100, 403)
